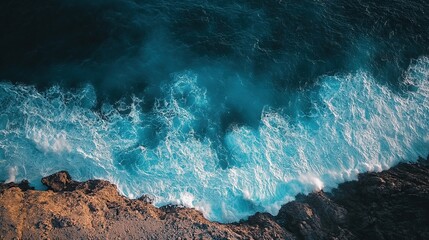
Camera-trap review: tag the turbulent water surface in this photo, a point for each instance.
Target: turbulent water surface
(228, 107)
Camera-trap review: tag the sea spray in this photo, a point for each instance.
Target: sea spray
(179, 153)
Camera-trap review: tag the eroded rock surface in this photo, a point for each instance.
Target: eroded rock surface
(392, 204)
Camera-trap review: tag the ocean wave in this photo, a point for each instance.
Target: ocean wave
(179, 153)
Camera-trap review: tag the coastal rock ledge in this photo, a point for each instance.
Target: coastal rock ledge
(392, 204)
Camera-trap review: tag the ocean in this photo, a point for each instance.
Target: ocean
(229, 107)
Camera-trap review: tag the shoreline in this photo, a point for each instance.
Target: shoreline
(391, 204)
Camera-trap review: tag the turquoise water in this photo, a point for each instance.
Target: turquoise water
(228, 108)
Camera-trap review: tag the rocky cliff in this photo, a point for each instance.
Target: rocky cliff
(392, 204)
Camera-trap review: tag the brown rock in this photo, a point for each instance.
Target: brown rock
(387, 205)
(60, 181)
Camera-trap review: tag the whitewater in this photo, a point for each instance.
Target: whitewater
(229, 107)
(352, 125)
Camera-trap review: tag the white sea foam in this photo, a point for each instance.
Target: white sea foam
(12, 172)
(353, 125)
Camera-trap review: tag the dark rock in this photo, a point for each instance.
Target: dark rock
(330, 212)
(146, 199)
(62, 181)
(91, 186)
(388, 205)
(261, 219)
(92, 207)
(300, 218)
(59, 222)
(24, 185)
(57, 182)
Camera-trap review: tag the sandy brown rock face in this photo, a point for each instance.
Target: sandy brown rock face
(389, 205)
(95, 209)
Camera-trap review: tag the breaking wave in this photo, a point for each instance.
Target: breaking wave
(179, 151)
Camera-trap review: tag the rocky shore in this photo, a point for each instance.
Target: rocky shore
(392, 204)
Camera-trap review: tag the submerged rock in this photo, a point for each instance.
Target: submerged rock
(392, 204)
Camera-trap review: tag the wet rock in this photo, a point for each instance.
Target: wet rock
(261, 219)
(93, 186)
(146, 199)
(327, 209)
(300, 218)
(387, 205)
(24, 185)
(60, 181)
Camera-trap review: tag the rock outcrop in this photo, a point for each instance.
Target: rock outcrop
(392, 204)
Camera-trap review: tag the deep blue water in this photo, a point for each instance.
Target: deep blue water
(228, 107)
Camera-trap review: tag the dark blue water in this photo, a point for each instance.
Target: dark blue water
(231, 108)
